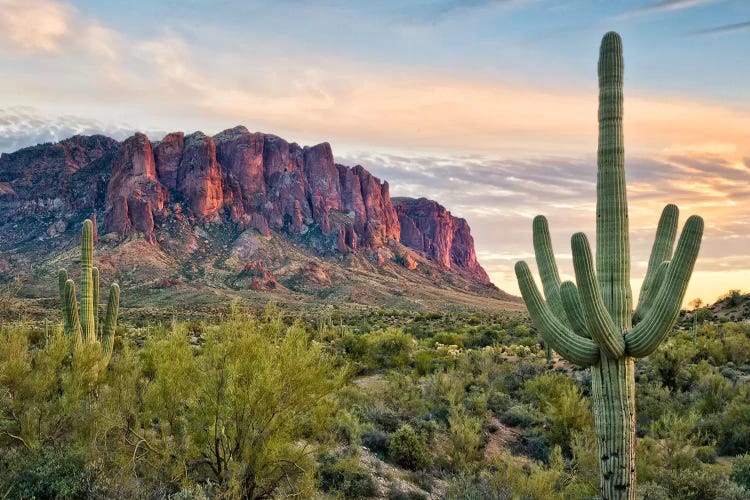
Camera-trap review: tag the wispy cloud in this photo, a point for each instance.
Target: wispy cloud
(663, 6)
(499, 198)
(726, 28)
(442, 10)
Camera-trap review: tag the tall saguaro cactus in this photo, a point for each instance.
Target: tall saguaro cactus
(592, 323)
(85, 327)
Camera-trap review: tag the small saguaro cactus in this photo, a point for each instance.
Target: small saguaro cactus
(85, 327)
(593, 324)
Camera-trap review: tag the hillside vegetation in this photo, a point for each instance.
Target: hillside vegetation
(386, 404)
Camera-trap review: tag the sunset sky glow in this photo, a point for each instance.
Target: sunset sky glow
(488, 107)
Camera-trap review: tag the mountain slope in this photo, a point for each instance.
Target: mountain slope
(205, 219)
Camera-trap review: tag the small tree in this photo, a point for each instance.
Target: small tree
(241, 409)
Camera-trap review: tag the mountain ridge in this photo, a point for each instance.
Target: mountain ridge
(247, 184)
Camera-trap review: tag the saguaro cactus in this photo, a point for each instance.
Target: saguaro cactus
(593, 324)
(86, 326)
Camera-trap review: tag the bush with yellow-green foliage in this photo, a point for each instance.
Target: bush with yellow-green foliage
(241, 414)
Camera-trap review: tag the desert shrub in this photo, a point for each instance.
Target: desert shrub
(740, 473)
(471, 487)
(521, 416)
(652, 491)
(463, 436)
(499, 402)
(49, 473)
(253, 392)
(391, 348)
(563, 405)
(706, 454)
(535, 480)
(354, 346)
(534, 445)
(426, 361)
(376, 441)
(449, 338)
(345, 476)
(714, 392)
(652, 401)
(735, 424)
(407, 449)
(527, 370)
(394, 493)
(347, 427)
(445, 387)
(699, 483)
(385, 418)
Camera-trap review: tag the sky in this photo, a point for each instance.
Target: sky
(487, 106)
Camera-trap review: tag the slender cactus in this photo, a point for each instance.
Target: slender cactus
(85, 327)
(593, 324)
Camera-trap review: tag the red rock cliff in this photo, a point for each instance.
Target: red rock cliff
(426, 226)
(253, 180)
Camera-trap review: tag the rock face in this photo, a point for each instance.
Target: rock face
(426, 226)
(50, 182)
(133, 193)
(251, 180)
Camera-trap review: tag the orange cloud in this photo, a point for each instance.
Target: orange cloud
(33, 25)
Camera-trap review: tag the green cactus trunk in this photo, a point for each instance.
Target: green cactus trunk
(592, 322)
(613, 398)
(85, 327)
(87, 282)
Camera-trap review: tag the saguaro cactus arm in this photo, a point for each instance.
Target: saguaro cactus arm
(650, 294)
(603, 330)
(110, 319)
(577, 349)
(661, 251)
(646, 336)
(571, 300)
(71, 310)
(62, 279)
(95, 297)
(545, 262)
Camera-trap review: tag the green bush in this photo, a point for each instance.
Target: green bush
(521, 416)
(407, 449)
(741, 471)
(346, 477)
(391, 348)
(499, 402)
(50, 473)
(396, 494)
(706, 454)
(376, 441)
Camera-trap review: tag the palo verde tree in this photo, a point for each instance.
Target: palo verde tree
(593, 324)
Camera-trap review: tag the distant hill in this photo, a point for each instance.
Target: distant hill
(732, 306)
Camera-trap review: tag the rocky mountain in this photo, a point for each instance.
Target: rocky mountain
(235, 212)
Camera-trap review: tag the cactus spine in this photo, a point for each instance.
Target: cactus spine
(592, 322)
(85, 327)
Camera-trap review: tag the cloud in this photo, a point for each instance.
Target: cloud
(167, 81)
(444, 9)
(21, 127)
(34, 25)
(727, 28)
(667, 6)
(499, 198)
